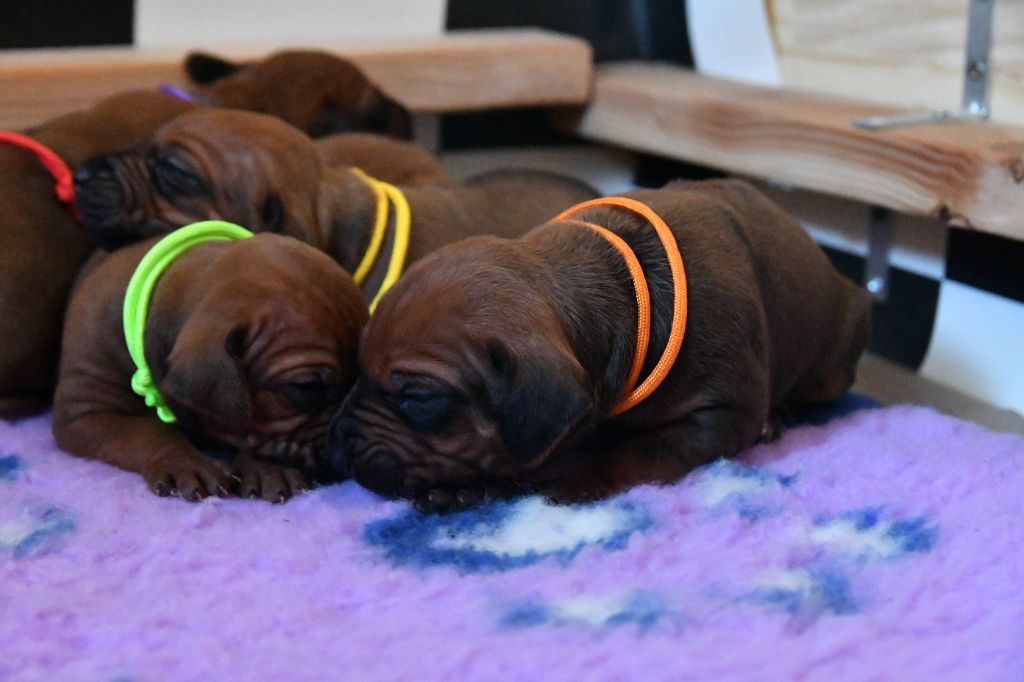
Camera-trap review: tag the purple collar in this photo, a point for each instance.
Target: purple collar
(175, 91)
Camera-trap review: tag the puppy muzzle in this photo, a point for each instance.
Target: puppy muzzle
(374, 467)
(108, 203)
(100, 199)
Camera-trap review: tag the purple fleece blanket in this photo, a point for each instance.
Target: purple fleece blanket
(888, 544)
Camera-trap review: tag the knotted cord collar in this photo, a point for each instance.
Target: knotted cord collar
(385, 193)
(140, 290)
(634, 394)
(64, 186)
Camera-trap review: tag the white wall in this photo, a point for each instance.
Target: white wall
(209, 23)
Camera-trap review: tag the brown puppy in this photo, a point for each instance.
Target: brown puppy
(493, 364)
(316, 92)
(41, 245)
(257, 171)
(394, 161)
(250, 344)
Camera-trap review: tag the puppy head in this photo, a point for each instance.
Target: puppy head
(467, 377)
(248, 168)
(314, 91)
(267, 349)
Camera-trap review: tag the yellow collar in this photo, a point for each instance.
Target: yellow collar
(403, 225)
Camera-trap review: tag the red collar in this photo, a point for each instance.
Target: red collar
(65, 186)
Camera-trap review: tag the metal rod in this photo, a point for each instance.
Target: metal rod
(880, 237)
(976, 65)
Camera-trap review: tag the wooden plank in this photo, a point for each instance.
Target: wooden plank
(908, 54)
(969, 173)
(456, 71)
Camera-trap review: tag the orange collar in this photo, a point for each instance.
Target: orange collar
(633, 394)
(65, 186)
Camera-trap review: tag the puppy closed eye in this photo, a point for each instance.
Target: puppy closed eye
(426, 412)
(174, 177)
(307, 395)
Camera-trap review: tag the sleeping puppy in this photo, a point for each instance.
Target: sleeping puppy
(257, 171)
(493, 365)
(249, 342)
(41, 244)
(394, 161)
(316, 92)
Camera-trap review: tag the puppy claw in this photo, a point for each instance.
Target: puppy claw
(162, 489)
(771, 429)
(444, 502)
(468, 498)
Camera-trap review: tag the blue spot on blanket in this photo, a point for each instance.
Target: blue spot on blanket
(729, 486)
(868, 534)
(39, 530)
(9, 467)
(806, 593)
(506, 535)
(640, 608)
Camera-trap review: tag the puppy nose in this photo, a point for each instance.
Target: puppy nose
(381, 472)
(91, 169)
(83, 174)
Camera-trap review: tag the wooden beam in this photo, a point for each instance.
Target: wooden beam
(969, 173)
(456, 71)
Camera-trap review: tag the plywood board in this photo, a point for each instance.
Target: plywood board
(968, 173)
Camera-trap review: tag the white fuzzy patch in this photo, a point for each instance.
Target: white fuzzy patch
(13, 532)
(721, 486)
(872, 543)
(592, 609)
(536, 526)
(797, 580)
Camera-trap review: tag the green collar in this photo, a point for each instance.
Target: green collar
(140, 289)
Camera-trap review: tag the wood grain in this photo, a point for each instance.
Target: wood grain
(909, 54)
(457, 71)
(969, 173)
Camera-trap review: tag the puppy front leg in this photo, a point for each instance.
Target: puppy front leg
(663, 455)
(165, 458)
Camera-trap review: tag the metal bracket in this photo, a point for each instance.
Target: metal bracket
(974, 104)
(876, 271)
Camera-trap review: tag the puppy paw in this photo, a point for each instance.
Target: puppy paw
(270, 482)
(445, 502)
(191, 478)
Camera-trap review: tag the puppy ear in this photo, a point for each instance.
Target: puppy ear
(204, 68)
(537, 397)
(329, 118)
(336, 217)
(380, 114)
(204, 371)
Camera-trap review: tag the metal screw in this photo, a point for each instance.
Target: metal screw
(976, 69)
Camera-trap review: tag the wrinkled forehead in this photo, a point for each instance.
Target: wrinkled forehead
(291, 279)
(229, 130)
